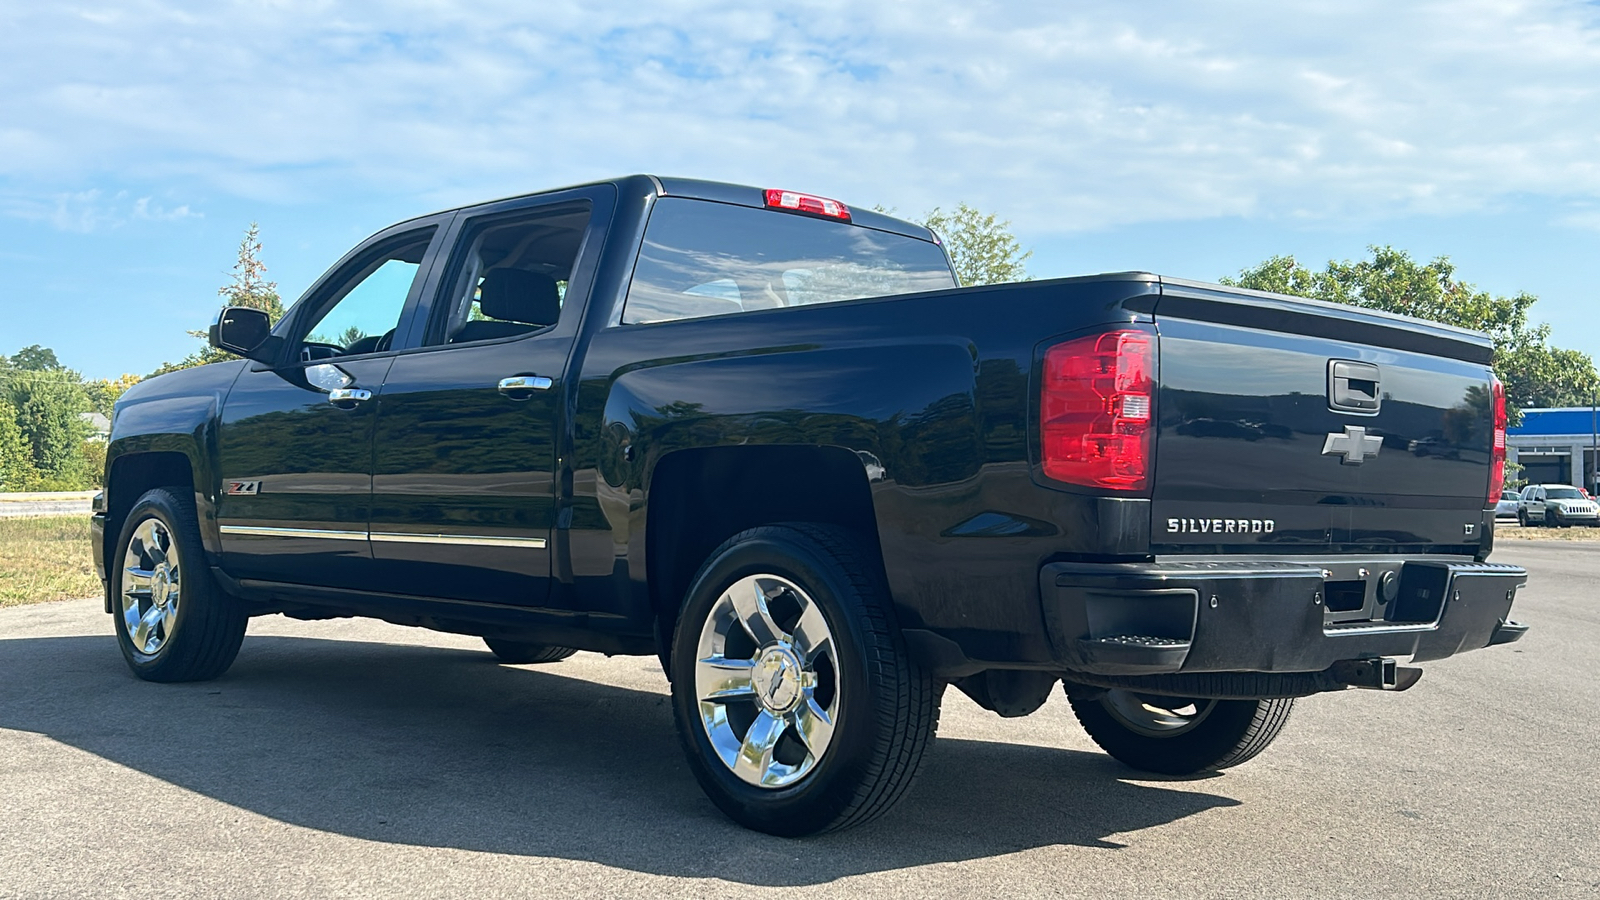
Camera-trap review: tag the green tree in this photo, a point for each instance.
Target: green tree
(1535, 373)
(981, 245)
(249, 287)
(36, 359)
(104, 392)
(16, 456)
(92, 460)
(46, 407)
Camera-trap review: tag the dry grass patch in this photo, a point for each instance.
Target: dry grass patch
(45, 558)
(1517, 533)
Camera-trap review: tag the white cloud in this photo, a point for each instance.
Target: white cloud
(85, 212)
(1063, 117)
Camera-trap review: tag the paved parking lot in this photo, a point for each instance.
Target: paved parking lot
(359, 759)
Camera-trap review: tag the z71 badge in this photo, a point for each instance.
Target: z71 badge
(242, 488)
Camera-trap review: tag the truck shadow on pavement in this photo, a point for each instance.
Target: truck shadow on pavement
(443, 748)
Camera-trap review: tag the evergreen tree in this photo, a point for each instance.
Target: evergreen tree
(249, 287)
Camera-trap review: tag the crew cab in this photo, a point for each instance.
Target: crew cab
(768, 439)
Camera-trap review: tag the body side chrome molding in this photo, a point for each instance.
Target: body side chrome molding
(268, 531)
(474, 540)
(393, 537)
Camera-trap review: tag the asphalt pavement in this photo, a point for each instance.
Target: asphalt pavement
(57, 503)
(356, 759)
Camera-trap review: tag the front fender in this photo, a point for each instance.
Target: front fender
(173, 415)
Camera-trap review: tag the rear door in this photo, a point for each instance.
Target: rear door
(1294, 427)
(469, 424)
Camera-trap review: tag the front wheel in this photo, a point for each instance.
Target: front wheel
(1179, 736)
(173, 621)
(796, 701)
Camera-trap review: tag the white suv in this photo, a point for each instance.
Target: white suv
(1558, 505)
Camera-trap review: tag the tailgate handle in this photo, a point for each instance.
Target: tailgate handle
(1353, 386)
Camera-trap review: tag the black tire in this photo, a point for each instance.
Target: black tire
(522, 652)
(1554, 519)
(1229, 733)
(887, 706)
(1522, 518)
(208, 624)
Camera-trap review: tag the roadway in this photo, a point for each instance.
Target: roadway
(62, 503)
(358, 759)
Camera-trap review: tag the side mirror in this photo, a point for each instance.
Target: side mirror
(244, 331)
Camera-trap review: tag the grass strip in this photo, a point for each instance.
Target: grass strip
(1534, 533)
(45, 558)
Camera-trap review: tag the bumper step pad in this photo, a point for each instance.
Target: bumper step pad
(1135, 650)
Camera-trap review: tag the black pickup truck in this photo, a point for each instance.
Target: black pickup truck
(769, 439)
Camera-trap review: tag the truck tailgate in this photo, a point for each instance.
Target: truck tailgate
(1296, 426)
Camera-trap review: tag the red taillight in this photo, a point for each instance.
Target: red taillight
(1497, 455)
(807, 203)
(1095, 410)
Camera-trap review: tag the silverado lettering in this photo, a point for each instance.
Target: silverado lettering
(1220, 526)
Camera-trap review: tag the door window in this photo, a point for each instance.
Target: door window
(512, 278)
(362, 311)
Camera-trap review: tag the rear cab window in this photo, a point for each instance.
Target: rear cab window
(702, 258)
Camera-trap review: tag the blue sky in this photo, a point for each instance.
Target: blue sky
(138, 139)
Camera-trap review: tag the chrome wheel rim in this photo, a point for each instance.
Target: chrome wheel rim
(151, 587)
(766, 678)
(1157, 716)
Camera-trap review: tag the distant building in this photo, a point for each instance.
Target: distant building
(99, 426)
(1555, 446)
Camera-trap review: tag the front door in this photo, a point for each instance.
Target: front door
(464, 493)
(295, 440)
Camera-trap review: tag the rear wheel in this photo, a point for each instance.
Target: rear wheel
(523, 652)
(796, 702)
(1522, 518)
(1179, 736)
(173, 621)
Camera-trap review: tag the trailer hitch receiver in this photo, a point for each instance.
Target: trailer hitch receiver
(1380, 673)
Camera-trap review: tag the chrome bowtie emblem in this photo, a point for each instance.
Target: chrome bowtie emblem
(1355, 445)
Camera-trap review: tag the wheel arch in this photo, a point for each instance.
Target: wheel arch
(698, 498)
(135, 470)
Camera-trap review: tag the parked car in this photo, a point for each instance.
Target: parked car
(1556, 505)
(766, 439)
(1506, 506)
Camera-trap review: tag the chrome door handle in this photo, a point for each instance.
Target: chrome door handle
(348, 395)
(519, 383)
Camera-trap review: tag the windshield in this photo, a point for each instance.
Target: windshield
(1563, 493)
